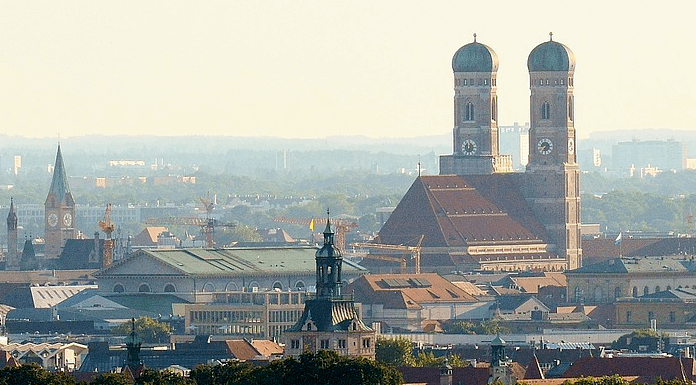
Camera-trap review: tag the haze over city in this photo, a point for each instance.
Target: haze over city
(314, 69)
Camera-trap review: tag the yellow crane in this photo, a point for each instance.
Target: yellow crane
(340, 226)
(207, 224)
(415, 252)
(107, 227)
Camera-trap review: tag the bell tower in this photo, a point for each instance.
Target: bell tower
(475, 133)
(59, 211)
(552, 171)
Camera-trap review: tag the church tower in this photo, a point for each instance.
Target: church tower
(475, 133)
(12, 259)
(330, 320)
(60, 211)
(552, 171)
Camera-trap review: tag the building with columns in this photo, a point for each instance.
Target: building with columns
(478, 214)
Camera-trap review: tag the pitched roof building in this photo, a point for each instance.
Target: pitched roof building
(188, 273)
(410, 301)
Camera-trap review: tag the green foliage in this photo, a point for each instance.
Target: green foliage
(637, 337)
(606, 380)
(395, 352)
(465, 327)
(31, 374)
(230, 373)
(148, 329)
(325, 367)
(162, 377)
(112, 379)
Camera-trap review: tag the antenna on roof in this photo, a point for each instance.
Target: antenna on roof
(419, 166)
(474, 37)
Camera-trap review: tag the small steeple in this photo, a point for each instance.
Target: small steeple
(474, 37)
(12, 217)
(133, 343)
(328, 231)
(550, 36)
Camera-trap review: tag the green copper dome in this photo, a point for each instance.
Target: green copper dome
(475, 57)
(551, 56)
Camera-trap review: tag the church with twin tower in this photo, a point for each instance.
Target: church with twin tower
(480, 215)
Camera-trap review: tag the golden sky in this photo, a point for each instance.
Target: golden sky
(301, 69)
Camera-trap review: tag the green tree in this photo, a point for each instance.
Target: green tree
(162, 377)
(148, 329)
(396, 352)
(230, 373)
(112, 379)
(458, 327)
(31, 374)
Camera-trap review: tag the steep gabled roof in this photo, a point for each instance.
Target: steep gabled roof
(534, 370)
(455, 211)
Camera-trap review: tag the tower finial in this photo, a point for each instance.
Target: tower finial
(474, 37)
(550, 36)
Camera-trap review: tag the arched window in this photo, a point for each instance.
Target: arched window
(231, 286)
(657, 289)
(144, 288)
(169, 288)
(546, 110)
(469, 111)
(598, 294)
(646, 291)
(209, 287)
(300, 286)
(277, 285)
(253, 286)
(617, 292)
(635, 292)
(465, 82)
(570, 107)
(118, 288)
(668, 287)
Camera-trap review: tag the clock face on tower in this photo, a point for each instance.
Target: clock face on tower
(571, 145)
(67, 219)
(469, 147)
(545, 146)
(52, 220)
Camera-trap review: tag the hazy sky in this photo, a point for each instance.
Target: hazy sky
(320, 68)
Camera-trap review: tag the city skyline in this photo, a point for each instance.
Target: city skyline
(317, 69)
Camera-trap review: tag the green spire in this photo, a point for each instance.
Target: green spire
(59, 184)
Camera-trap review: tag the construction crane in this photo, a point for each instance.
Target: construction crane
(415, 252)
(207, 224)
(340, 226)
(107, 227)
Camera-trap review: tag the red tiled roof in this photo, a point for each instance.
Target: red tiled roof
(454, 211)
(374, 288)
(241, 349)
(667, 368)
(431, 376)
(534, 370)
